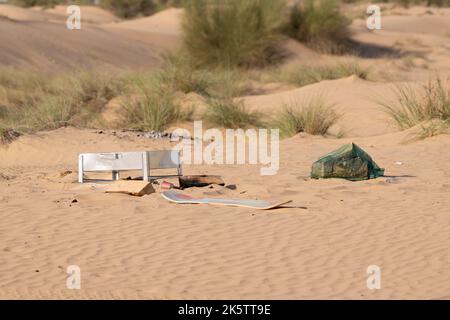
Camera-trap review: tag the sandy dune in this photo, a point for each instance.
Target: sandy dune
(38, 38)
(89, 14)
(166, 22)
(22, 14)
(162, 29)
(431, 24)
(320, 247)
(410, 34)
(51, 46)
(355, 99)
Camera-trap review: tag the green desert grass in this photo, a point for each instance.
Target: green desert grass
(130, 8)
(319, 24)
(152, 106)
(133, 8)
(308, 74)
(219, 86)
(230, 113)
(429, 107)
(32, 101)
(122, 8)
(52, 3)
(313, 117)
(181, 75)
(30, 3)
(2, 129)
(246, 33)
(232, 32)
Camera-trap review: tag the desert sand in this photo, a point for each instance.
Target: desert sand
(90, 14)
(32, 38)
(318, 247)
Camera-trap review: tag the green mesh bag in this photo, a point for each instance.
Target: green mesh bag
(348, 162)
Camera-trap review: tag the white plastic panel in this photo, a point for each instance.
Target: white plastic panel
(164, 159)
(113, 161)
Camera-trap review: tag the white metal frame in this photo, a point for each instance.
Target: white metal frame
(125, 161)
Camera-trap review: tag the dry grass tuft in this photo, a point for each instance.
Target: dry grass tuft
(230, 113)
(232, 33)
(320, 24)
(313, 117)
(430, 108)
(305, 74)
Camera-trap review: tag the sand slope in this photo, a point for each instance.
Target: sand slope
(51, 46)
(167, 22)
(355, 99)
(23, 14)
(39, 38)
(89, 14)
(162, 29)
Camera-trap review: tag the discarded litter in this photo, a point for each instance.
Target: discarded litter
(200, 181)
(348, 162)
(167, 185)
(115, 162)
(182, 198)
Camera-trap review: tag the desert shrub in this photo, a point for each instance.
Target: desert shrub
(133, 8)
(432, 128)
(122, 8)
(403, 3)
(31, 101)
(130, 8)
(153, 108)
(410, 109)
(92, 89)
(313, 117)
(320, 24)
(51, 113)
(19, 90)
(230, 113)
(31, 3)
(343, 70)
(231, 32)
(180, 75)
(307, 74)
(438, 3)
(25, 80)
(74, 99)
(49, 3)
